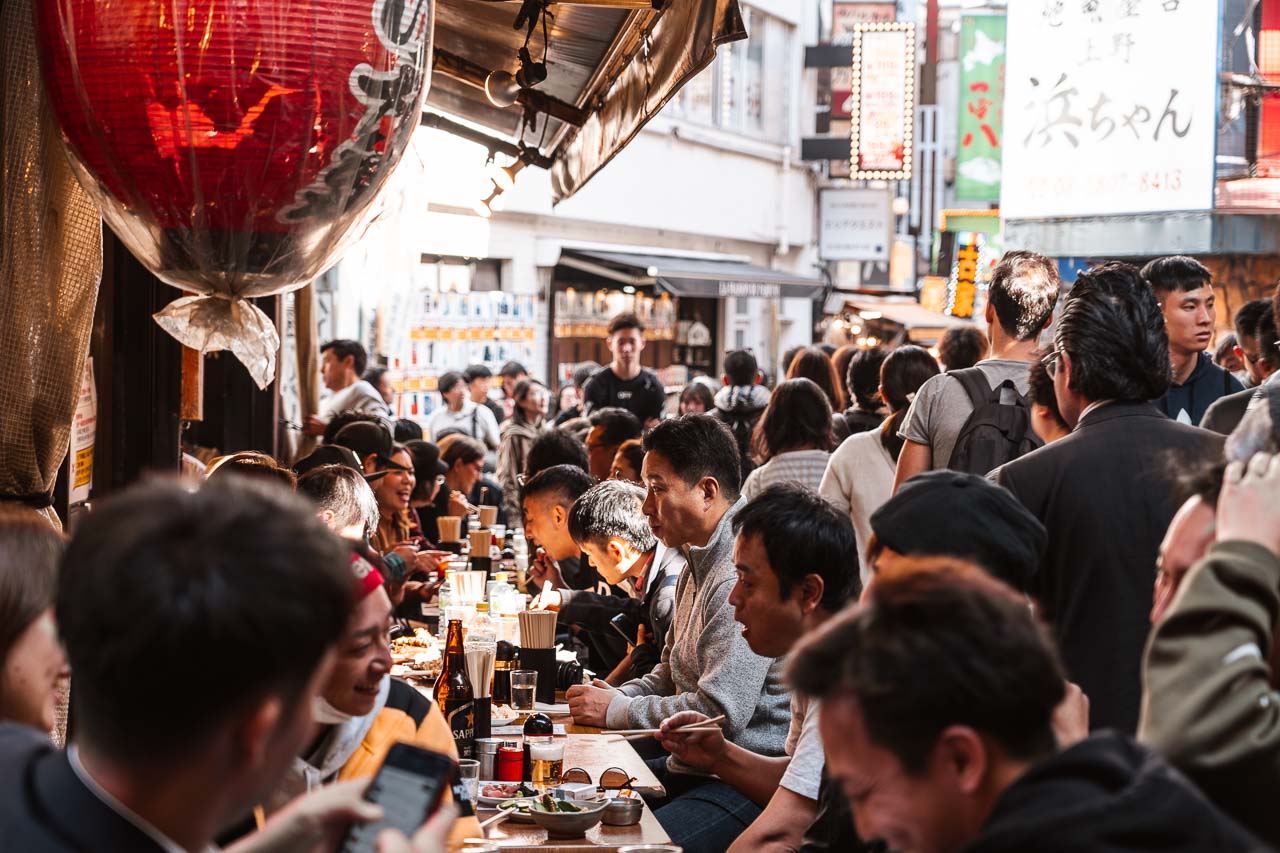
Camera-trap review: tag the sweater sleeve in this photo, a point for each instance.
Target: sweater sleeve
(1208, 705)
(731, 676)
(833, 487)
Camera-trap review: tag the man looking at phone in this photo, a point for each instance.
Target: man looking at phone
(608, 524)
(797, 566)
(692, 470)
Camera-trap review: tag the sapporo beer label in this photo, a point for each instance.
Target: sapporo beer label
(462, 723)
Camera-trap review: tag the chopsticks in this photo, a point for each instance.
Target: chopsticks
(502, 815)
(700, 726)
(537, 629)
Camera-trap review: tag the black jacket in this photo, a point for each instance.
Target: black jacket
(45, 808)
(1106, 494)
(854, 420)
(1207, 383)
(1106, 794)
(592, 611)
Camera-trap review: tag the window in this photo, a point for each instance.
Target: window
(732, 92)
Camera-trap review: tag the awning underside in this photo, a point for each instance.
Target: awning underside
(695, 277)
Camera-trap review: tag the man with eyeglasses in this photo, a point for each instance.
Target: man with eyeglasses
(1107, 492)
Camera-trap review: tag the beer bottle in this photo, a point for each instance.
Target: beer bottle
(453, 693)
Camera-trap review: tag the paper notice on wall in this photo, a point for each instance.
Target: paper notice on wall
(83, 429)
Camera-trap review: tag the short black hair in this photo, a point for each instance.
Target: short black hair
(343, 347)
(1267, 338)
(1024, 288)
(611, 509)
(862, 379)
(513, 370)
(237, 581)
(633, 451)
(1114, 330)
(1225, 348)
(583, 372)
(619, 424)
(741, 367)
(343, 419)
(1246, 319)
(446, 383)
(962, 346)
(700, 392)
(699, 446)
(406, 430)
(460, 447)
(933, 648)
(804, 535)
(798, 417)
(555, 447)
(566, 483)
(1041, 393)
(374, 374)
(1176, 272)
(622, 322)
(30, 550)
(476, 371)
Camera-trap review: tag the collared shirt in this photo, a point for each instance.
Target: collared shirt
(1098, 404)
(77, 767)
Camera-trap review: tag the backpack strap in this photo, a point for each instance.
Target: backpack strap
(975, 384)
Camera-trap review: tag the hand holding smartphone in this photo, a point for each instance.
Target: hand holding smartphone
(409, 787)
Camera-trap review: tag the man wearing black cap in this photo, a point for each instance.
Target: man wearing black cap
(1106, 493)
(953, 514)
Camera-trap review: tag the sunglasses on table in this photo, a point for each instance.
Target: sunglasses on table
(613, 779)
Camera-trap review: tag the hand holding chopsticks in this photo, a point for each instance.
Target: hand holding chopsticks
(710, 725)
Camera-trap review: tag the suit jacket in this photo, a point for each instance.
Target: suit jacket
(1225, 413)
(1106, 495)
(45, 808)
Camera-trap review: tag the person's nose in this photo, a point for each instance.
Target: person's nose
(381, 663)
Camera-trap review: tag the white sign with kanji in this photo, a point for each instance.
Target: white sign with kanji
(1110, 107)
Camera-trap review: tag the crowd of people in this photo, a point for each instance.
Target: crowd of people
(1022, 596)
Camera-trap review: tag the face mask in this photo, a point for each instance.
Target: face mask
(327, 715)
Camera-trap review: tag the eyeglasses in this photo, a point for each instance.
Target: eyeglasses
(613, 779)
(1051, 361)
(439, 479)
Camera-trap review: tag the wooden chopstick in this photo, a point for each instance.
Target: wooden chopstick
(637, 733)
(700, 726)
(502, 815)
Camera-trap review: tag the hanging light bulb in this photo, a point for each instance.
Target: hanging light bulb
(497, 201)
(501, 88)
(481, 208)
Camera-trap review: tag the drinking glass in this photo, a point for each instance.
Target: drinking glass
(469, 771)
(546, 762)
(524, 686)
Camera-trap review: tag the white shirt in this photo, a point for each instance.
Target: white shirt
(803, 775)
(858, 481)
(476, 421)
(359, 396)
(163, 842)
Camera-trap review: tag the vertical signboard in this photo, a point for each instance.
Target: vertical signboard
(1111, 108)
(84, 426)
(982, 69)
(845, 18)
(882, 122)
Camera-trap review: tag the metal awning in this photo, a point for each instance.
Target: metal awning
(611, 66)
(910, 315)
(694, 276)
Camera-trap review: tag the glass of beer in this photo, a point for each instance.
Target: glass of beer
(524, 686)
(546, 762)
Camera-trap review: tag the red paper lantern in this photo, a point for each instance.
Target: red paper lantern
(235, 146)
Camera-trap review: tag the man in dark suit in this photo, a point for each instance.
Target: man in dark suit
(1106, 492)
(1258, 351)
(198, 626)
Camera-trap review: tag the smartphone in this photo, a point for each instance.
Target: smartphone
(409, 786)
(625, 628)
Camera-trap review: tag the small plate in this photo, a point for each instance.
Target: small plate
(503, 721)
(492, 802)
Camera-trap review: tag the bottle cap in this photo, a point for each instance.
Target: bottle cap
(539, 725)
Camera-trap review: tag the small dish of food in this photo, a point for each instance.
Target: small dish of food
(491, 794)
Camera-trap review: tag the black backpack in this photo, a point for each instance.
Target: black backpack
(996, 432)
(742, 425)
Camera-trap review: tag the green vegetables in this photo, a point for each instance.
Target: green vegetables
(547, 803)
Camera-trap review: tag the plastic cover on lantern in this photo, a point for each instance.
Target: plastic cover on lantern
(235, 146)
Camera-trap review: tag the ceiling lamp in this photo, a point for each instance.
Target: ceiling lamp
(503, 176)
(501, 88)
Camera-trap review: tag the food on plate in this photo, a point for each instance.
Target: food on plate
(547, 803)
(507, 790)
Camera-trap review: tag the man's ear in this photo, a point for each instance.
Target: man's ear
(710, 488)
(371, 463)
(962, 756)
(256, 727)
(559, 516)
(615, 549)
(811, 591)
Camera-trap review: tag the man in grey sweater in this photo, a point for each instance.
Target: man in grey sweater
(692, 470)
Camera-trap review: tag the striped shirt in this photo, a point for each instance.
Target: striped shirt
(804, 467)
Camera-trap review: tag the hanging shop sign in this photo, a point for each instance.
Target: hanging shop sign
(84, 428)
(856, 224)
(982, 75)
(1104, 115)
(883, 100)
(845, 17)
(967, 259)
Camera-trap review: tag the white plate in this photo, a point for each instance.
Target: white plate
(503, 721)
(492, 802)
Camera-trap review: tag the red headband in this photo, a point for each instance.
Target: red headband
(367, 577)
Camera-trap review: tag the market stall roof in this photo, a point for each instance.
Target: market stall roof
(910, 315)
(694, 276)
(610, 68)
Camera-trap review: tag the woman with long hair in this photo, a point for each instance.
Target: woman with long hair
(793, 439)
(859, 477)
(519, 432)
(814, 364)
(32, 663)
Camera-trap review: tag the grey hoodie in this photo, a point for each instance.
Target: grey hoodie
(707, 665)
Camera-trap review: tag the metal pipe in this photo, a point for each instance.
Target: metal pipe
(531, 156)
